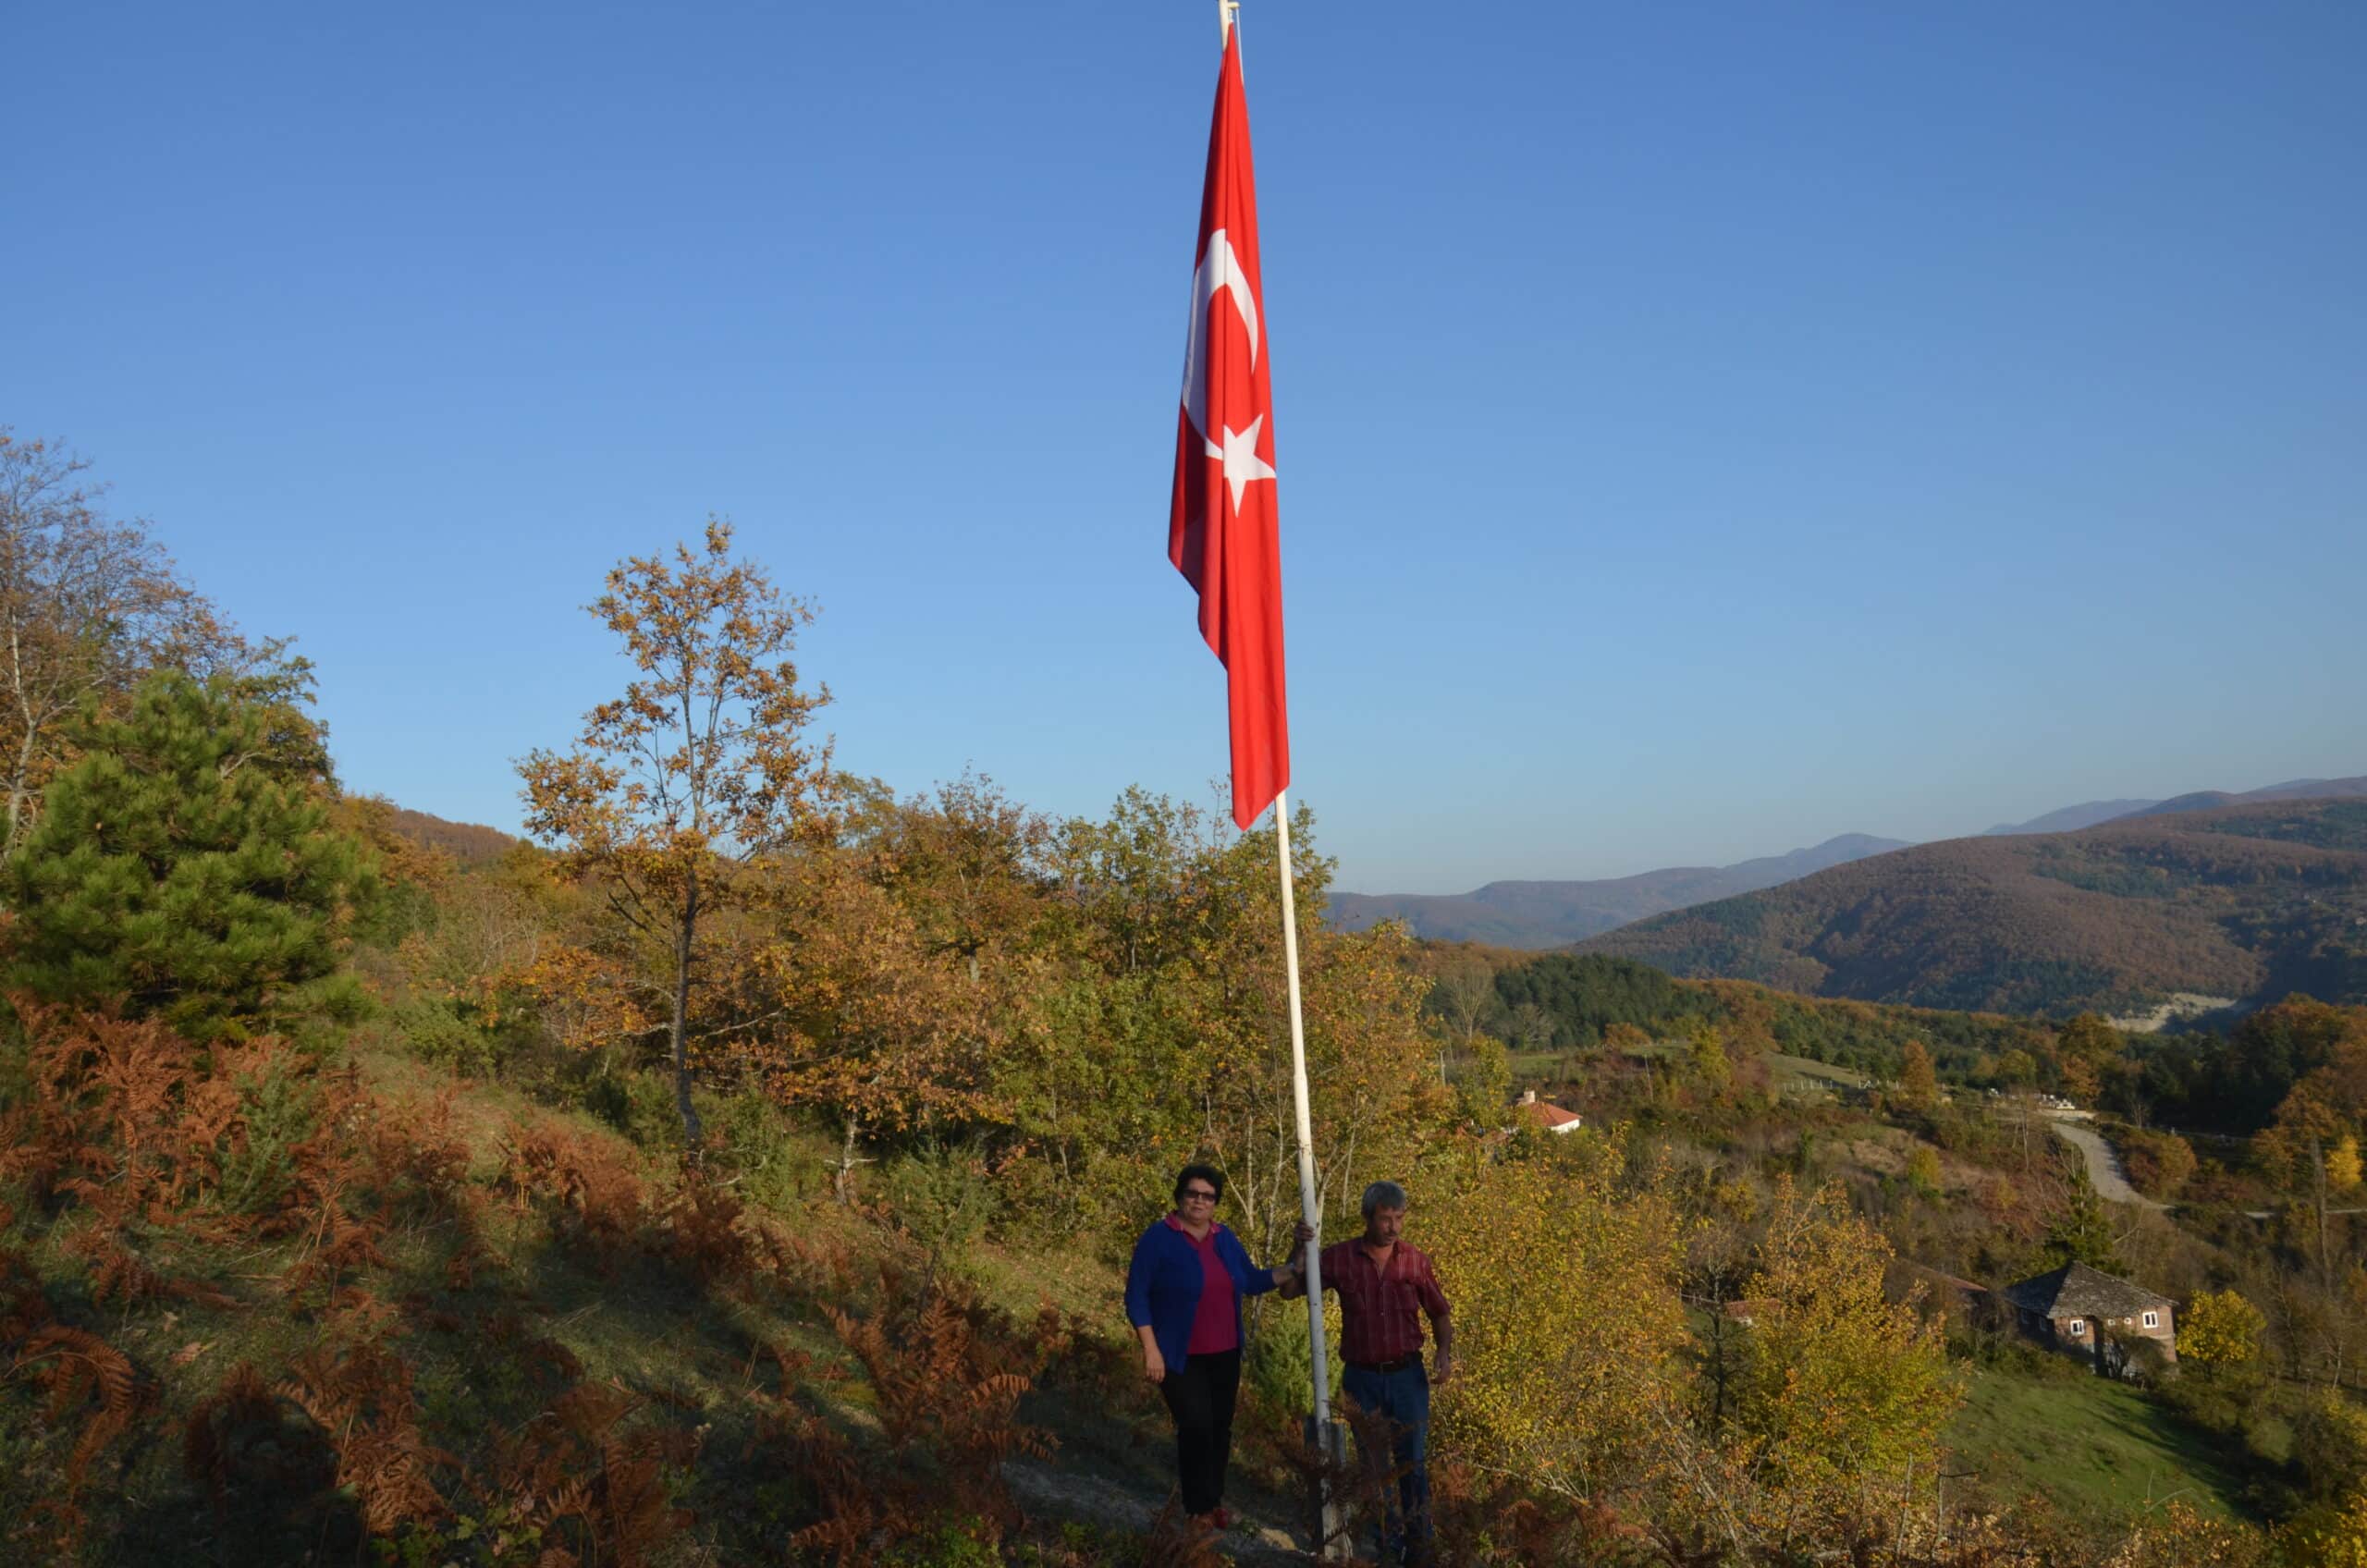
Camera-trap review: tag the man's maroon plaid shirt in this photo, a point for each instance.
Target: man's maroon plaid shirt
(1381, 1314)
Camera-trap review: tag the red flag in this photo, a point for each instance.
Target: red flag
(1222, 533)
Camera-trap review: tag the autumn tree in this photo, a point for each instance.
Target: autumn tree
(1568, 1325)
(1370, 1086)
(887, 1030)
(678, 793)
(185, 863)
(2221, 1329)
(87, 606)
(2159, 1163)
(2084, 1049)
(1486, 1083)
(2295, 1150)
(1626, 1038)
(2018, 1071)
(968, 863)
(1462, 996)
(1706, 1053)
(1161, 1025)
(1918, 1085)
(1845, 1390)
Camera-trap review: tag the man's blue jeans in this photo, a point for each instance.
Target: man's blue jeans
(1404, 1396)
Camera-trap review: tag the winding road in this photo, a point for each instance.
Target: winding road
(2103, 1165)
(2112, 1182)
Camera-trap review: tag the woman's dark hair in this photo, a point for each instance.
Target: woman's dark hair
(1208, 1173)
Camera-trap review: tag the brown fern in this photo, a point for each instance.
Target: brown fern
(596, 1195)
(1178, 1540)
(246, 1439)
(361, 1395)
(701, 1224)
(585, 1471)
(78, 1367)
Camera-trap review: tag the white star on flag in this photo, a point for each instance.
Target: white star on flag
(1243, 466)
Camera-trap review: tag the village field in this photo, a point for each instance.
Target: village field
(2097, 1450)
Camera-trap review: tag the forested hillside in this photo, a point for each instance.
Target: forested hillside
(468, 842)
(1550, 913)
(2249, 901)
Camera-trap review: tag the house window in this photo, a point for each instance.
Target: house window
(2153, 1320)
(2078, 1328)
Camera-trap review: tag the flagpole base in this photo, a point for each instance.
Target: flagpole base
(1327, 1441)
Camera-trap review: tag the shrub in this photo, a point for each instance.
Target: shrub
(777, 1160)
(279, 1114)
(2159, 1163)
(1278, 1367)
(945, 1195)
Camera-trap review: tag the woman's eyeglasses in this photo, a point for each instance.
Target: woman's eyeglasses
(1199, 1194)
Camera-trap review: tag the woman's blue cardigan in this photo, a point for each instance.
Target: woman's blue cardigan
(1163, 1286)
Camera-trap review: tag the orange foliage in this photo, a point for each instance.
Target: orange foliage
(598, 1196)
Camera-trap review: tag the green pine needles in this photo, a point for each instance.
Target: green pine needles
(185, 863)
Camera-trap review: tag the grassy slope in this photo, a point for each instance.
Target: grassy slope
(629, 1321)
(2099, 1450)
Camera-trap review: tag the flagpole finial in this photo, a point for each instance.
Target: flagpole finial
(1228, 12)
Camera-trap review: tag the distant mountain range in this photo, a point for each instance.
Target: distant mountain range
(2249, 899)
(1551, 915)
(2293, 789)
(2070, 819)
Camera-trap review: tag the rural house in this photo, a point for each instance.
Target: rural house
(1535, 1112)
(2086, 1312)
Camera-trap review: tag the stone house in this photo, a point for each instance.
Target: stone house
(2086, 1312)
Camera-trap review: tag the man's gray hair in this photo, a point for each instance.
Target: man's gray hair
(1383, 1195)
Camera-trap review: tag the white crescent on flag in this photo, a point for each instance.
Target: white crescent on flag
(1218, 273)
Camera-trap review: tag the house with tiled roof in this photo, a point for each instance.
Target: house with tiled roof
(1535, 1112)
(2088, 1312)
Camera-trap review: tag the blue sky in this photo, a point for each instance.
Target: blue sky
(1702, 430)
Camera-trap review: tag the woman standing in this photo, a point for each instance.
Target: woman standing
(1183, 1294)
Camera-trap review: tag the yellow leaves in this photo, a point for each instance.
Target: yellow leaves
(2342, 1164)
(1840, 1384)
(2220, 1328)
(2331, 1534)
(1567, 1321)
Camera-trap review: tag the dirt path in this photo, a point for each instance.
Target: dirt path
(1100, 1500)
(2103, 1165)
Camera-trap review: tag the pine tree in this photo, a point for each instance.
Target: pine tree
(2082, 1230)
(185, 865)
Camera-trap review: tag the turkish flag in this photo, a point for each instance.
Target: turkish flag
(1220, 532)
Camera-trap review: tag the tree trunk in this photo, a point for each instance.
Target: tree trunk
(2325, 1264)
(842, 1184)
(693, 1134)
(20, 782)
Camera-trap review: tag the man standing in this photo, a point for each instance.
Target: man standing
(1386, 1286)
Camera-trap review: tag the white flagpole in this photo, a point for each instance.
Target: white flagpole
(1227, 13)
(1308, 1208)
(1323, 1437)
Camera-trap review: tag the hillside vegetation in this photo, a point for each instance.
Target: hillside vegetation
(2250, 902)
